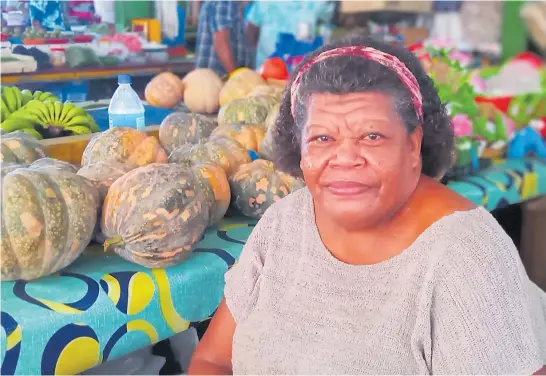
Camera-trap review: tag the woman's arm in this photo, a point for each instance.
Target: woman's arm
(213, 354)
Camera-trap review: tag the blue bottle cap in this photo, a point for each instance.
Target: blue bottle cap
(124, 79)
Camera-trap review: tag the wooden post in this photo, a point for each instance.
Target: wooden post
(533, 240)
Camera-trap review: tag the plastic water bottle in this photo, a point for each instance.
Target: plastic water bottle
(126, 109)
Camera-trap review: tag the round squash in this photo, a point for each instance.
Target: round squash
(202, 88)
(154, 215)
(103, 175)
(181, 128)
(251, 110)
(250, 136)
(239, 85)
(164, 90)
(53, 163)
(124, 145)
(6, 168)
(19, 147)
(215, 177)
(266, 147)
(224, 151)
(257, 185)
(267, 90)
(48, 217)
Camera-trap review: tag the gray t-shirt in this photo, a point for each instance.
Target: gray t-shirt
(457, 301)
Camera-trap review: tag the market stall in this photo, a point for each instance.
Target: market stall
(127, 289)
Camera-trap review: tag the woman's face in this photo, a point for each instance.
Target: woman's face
(359, 162)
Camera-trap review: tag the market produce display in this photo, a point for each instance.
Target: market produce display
(215, 176)
(257, 185)
(165, 90)
(48, 216)
(124, 145)
(224, 151)
(250, 136)
(181, 128)
(267, 148)
(248, 110)
(41, 115)
(19, 147)
(202, 90)
(155, 214)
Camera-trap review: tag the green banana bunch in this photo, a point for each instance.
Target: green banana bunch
(12, 99)
(54, 118)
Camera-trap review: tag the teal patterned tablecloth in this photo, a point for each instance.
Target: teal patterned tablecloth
(103, 307)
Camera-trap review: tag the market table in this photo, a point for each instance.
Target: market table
(180, 66)
(103, 307)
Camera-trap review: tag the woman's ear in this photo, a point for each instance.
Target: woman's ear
(416, 139)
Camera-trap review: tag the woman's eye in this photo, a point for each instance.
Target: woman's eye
(322, 139)
(373, 137)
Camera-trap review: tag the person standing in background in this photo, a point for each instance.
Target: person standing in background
(221, 44)
(266, 20)
(46, 15)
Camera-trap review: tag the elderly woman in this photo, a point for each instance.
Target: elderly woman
(374, 267)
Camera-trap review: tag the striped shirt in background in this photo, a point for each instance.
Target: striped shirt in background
(215, 16)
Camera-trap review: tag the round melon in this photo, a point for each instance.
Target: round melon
(267, 90)
(250, 110)
(223, 151)
(124, 145)
(154, 215)
(48, 217)
(257, 185)
(19, 147)
(202, 89)
(250, 136)
(240, 85)
(181, 128)
(164, 90)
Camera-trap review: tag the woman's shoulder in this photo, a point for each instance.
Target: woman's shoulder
(295, 205)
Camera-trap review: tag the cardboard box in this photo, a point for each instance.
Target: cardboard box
(358, 6)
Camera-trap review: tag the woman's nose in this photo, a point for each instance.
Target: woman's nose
(347, 154)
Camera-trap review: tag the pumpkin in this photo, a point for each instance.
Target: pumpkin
(6, 168)
(53, 163)
(251, 110)
(239, 85)
(154, 215)
(267, 90)
(202, 89)
(224, 151)
(19, 147)
(257, 185)
(266, 147)
(215, 177)
(48, 217)
(250, 136)
(103, 175)
(181, 128)
(164, 90)
(124, 145)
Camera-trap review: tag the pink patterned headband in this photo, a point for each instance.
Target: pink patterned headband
(389, 61)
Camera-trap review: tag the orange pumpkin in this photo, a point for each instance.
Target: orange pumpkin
(224, 151)
(250, 136)
(154, 215)
(257, 185)
(129, 146)
(164, 90)
(214, 175)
